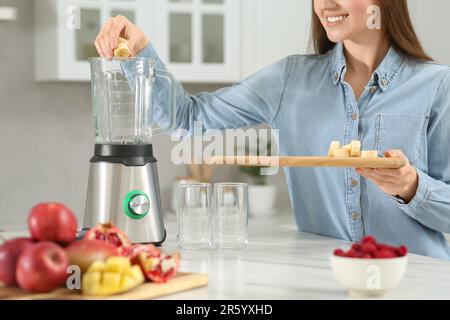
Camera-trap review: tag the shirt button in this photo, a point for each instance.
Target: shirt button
(355, 117)
(373, 90)
(354, 183)
(384, 81)
(336, 76)
(355, 216)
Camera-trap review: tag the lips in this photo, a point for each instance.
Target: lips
(334, 18)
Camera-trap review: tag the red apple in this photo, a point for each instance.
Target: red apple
(84, 252)
(42, 267)
(52, 222)
(9, 254)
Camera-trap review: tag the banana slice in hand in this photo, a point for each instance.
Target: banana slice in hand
(122, 50)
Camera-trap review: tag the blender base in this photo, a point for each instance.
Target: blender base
(123, 189)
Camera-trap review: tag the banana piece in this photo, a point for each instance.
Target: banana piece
(334, 145)
(369, 154)
(123, 40)
(347, 147)
(352, 150)
(122, 50)
(355, 148)
(340, 153)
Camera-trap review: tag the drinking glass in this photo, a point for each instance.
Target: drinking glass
(194, 216)
(230, 216)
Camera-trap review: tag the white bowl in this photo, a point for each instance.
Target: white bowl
(368, 277)
(261, 200)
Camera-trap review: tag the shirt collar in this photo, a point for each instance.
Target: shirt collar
(383, 75)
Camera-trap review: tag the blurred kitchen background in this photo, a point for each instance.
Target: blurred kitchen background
(46, 122)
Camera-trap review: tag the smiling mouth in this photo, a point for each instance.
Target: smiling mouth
(336, 18)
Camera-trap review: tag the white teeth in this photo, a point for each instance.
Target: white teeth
(335, 19)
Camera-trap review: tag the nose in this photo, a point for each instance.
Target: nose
(323, 5)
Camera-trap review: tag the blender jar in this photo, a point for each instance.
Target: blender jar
(122, 98)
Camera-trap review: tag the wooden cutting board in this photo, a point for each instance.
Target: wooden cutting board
(385, 163)
(181, 282)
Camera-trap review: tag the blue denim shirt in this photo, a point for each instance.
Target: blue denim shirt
(406, 105)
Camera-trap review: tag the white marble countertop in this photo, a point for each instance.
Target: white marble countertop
(282, 263)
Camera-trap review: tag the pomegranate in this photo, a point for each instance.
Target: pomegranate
(52, 222)
(42, 267)
(135, 250)
(9, 254)
(108, 232)
(158, 268)
(85, 252)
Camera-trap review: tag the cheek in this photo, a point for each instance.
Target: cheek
(316, 7)
(358, 11)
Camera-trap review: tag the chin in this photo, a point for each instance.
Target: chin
(336, 37)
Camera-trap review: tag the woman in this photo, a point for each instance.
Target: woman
(368, 84)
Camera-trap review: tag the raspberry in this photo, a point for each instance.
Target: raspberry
(367, 256)
(352, 254)
(385, 254)
(368, 239)
(356, 247)
(402, 251)
(392, 249)
(382, 246)
(339, 253)
(369, 248)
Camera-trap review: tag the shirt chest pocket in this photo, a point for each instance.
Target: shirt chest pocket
(401, 131)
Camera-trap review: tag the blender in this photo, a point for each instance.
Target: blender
(123, 185)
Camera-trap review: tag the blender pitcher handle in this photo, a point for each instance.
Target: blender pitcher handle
(172, 103)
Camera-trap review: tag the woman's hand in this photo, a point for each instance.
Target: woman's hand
(108, 38)
(401, 182)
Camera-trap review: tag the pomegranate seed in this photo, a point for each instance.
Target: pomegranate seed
(114, 239)
(339, 253)
(99, 235)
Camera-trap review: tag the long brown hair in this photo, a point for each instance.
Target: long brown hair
(396, 23)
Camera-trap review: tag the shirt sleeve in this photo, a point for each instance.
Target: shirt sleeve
(252, 101)
(431, 205)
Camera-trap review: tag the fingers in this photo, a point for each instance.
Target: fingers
(108, 38)
(378, 182)
(132, 46)
(395, 153)
(394, 173)
(402, 181)
(99, 48)
(117, 26)
(371, 173)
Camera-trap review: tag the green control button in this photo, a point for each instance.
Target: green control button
(136, 204)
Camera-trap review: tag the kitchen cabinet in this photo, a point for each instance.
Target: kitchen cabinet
(65, 31)
(8, 14)
(200, 40)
